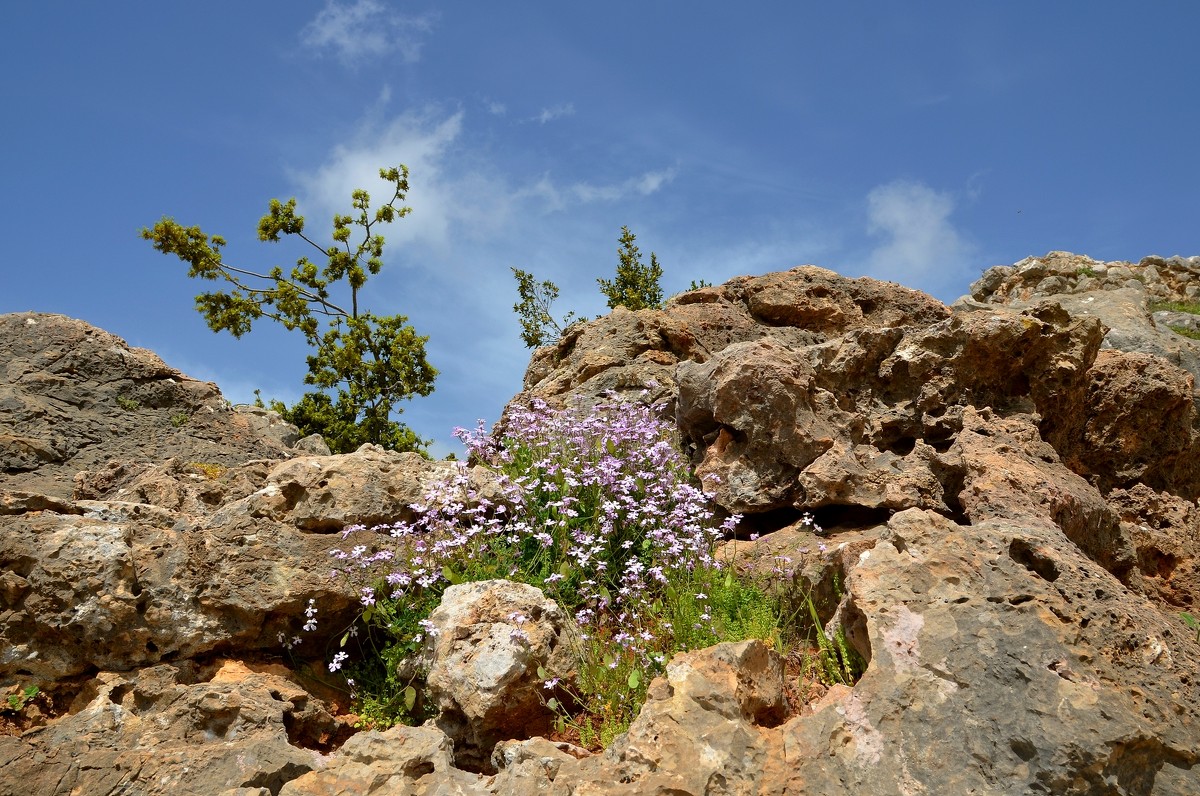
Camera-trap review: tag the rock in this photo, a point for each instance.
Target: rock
(173, 730)
(866, 420)
(1165, 531)
(705, 728)
(1007, 490)
(961, 618)
(482, 656)
(118, 586)
(326, 493)
(1115, 442)
(1009, 472)
(631, 352)
(402, 761)
(73, 397)
(1119, 294)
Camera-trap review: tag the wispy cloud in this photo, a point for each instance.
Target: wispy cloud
(641, 185)
(419, 140)
(555, 112)
(921, 248)
(475, 214)
(364, 29)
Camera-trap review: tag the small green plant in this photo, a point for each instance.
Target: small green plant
(1086, 270)
(128, 404)
(180, 419)
(1188, 307)
(538, 324)
(696, 285)
(1192, 623)
(836, 662)
(209, 470)
(15, 703)
(1186, 331)
(636, 285)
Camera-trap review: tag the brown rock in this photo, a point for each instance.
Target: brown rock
(172, 730)
(73, 397)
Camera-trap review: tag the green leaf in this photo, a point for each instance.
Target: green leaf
(542, 673)
(410, 698)
(552, 703)
(345, 638)
(452, 577)
(635, 678)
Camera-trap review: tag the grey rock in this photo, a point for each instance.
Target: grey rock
(482, 656)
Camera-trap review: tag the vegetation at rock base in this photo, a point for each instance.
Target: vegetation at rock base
(1189, 307)
(371, 362)
(596, 508)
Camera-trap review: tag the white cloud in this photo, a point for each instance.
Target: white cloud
(496, 108)
(921, 248)
(420, 141)
(556, 112)
(475, 214)
(642, 185)
(365, 29)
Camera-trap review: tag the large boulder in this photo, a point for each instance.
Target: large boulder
(484, 647)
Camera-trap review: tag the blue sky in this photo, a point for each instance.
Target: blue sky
(915, 142)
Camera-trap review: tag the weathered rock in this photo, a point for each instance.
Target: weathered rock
(1037, 483)
(1165, 531)
(1118, 443)
(1120, 294)
(704, 729)
(369, 487)
(121, 585)
(627, 352)
(865, 420)
(488, 640)
(73, 397)
(402, 761)
(173, 729)
(1010, 472)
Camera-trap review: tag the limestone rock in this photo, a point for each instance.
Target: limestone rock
(115, 587)
(482, 656)
(73, 397)
(369, 487)
(401, 761)
(173, 730)
(629, 352)
(1119, 294)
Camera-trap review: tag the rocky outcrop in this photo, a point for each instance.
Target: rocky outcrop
(1006, 532)
(74, 397)
(1128, 298)
(628, 352)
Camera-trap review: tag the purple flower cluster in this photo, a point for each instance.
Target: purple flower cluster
(594, 505)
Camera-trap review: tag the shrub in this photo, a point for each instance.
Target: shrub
(595, 507)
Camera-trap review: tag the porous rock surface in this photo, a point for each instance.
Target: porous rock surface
(1005, 491)
(167, 529)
